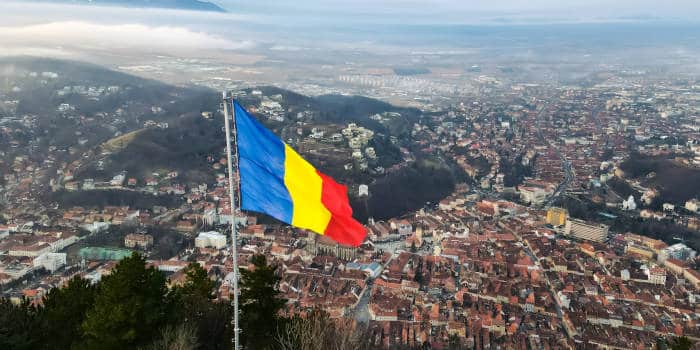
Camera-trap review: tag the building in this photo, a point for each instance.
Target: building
(14, 271)
(629, 204)
(692, 205)
(372, 269)
(583, 230)
(135, 240)
(640, 251)
(33, 250)
(4, 232)
(170, 265)
(211, 239)
(99, 253)
(668, 207)
(678, 251)
(378, 313)
(403, 227)
(657, 275)
(118, 180)
(50, 261)
(532, 195)
(88, 184)
(96, 227)
(556, 216)
(322, 245)
(210, 217)
(363, 190)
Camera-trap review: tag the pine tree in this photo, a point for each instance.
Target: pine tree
(197, 283)
(18, 325)
(210, 320)
(260, 303)
(63, 313)
(130, 308)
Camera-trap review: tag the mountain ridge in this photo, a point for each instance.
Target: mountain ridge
(192, 5)
(101, 123)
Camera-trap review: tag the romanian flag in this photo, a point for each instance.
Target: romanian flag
(276, 181)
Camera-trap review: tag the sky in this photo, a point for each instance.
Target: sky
(67, 30)
(469, 11)
(63, 30)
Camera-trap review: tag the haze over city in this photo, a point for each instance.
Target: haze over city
(516, 174)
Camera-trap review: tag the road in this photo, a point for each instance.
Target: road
(361, 311)
(536, 260)
(561, 188)
(566, 164)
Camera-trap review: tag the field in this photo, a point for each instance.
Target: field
(120, 142)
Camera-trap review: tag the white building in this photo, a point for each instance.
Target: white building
(50, 261)
(370, 152)
(171, 265)
(363, 190)
(532, 195)
(210, 217)
(317, 133)
(564, 300)
(656, 275)
(268, 104)
(692, 205)
(211, 239)
(15, 271)
(88, 184)
(404, 228)
(96, 227)
(583, 230)
(64, 107)
(118, 180)
(33, 250)
(225, 218)
(63, 243)
(629, 204)
(678, 251)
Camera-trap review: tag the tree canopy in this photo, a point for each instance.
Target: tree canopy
(130, 307)
(133, 308)
(260, 303)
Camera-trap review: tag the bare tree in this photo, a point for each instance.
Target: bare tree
(182, 337)
(317, 331)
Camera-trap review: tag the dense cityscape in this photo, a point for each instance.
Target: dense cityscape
(552, 238)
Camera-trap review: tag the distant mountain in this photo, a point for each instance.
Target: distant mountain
(193, 5)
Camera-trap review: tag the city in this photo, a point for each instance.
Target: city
(502, 211)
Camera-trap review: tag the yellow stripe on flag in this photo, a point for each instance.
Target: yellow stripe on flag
(305, 187)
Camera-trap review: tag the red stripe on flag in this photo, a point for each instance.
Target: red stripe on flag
(342, 228)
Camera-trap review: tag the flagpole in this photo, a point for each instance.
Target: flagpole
(234, 233)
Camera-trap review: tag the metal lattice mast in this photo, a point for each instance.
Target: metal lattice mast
(234, 233)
